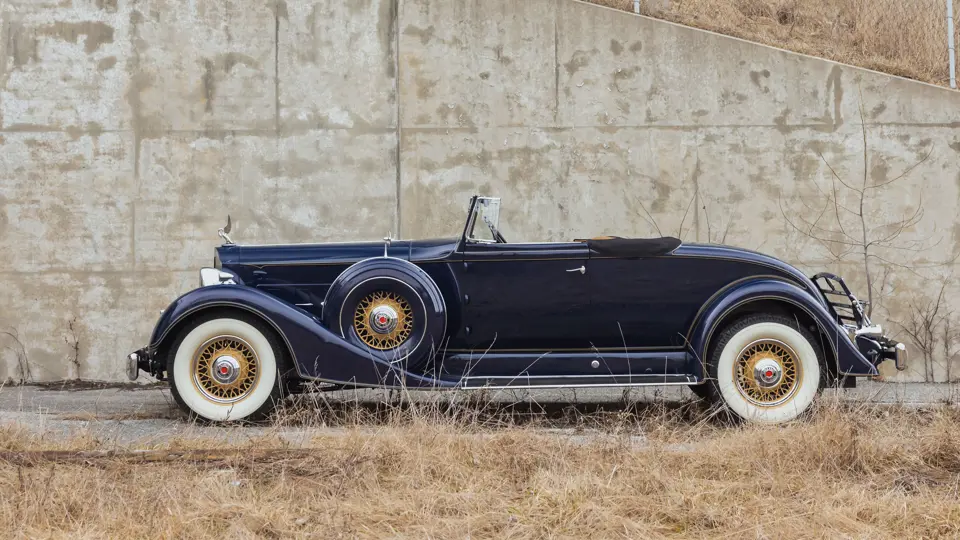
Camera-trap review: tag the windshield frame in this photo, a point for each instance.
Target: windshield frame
(476, 210)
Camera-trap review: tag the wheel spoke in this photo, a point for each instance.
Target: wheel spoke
(395, 320)
(226, 369)
(767, 373)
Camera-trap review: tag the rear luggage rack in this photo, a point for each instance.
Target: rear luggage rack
(849, 311)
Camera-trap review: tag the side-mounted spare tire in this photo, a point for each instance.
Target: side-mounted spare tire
(391, 308)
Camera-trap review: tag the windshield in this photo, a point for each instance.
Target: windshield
(486, 220)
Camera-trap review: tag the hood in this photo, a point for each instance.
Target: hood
(333, 252)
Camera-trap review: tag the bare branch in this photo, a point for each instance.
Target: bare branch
(836, 210)
(649, 215)
(723, 239)
(687, 211)
(906, 172)
(837, 176)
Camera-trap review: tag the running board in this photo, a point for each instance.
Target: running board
(582, 365)
(575, 381)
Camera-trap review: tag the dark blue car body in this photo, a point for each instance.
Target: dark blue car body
(528, 315)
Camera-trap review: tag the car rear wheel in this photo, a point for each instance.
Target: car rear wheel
(226, 367)
(765, 369)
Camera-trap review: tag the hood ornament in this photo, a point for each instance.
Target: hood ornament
(224, 232)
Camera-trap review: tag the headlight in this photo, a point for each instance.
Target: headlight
(212, 276)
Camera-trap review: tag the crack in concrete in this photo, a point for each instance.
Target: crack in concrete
(556, 63)
(276, 68)
(137, 82)
(395, 13)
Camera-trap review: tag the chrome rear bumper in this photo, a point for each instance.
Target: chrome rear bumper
(852, 317)
(900, 356)
(877, 348)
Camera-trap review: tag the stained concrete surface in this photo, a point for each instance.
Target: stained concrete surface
(129, 129)
(150, 417)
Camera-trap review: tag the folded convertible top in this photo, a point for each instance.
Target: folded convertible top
(614, 246)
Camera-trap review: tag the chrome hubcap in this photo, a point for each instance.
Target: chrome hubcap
(225, 369)
(384, 319)
(767, 372)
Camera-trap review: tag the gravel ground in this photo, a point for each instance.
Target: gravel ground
(149, 415)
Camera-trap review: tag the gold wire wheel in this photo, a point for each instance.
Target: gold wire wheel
(383, 320)
(225, 369)
(767, 372)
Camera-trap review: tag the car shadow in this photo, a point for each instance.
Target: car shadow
(382, 408)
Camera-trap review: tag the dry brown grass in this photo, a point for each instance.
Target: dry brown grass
(866, 473)
(908, 39)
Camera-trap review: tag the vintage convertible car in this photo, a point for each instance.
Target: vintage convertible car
(742, 329)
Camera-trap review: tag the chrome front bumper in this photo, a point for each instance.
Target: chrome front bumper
(133, 369)
(137, 361)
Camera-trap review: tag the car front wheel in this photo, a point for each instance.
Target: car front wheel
(766, 369)
(225, 367)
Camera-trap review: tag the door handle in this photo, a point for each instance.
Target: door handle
(582, 270)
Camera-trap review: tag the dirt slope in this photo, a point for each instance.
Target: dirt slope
(908, 39)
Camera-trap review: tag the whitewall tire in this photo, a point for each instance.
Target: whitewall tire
(226, 368)
(766, 369)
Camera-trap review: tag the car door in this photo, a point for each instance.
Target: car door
(524, 296)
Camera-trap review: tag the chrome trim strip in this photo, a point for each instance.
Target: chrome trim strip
(561, 386)
(670, 348)
(526, 377)
(346, 385)
(317, 244)
(322, 262)
(290, 285)
(581, 257)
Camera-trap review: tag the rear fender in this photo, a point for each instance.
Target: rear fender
(317, 353)
(714, 314)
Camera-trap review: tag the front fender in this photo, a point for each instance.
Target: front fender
(317, 353)
(849, 360)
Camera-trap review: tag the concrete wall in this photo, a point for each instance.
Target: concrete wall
(130, 128)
